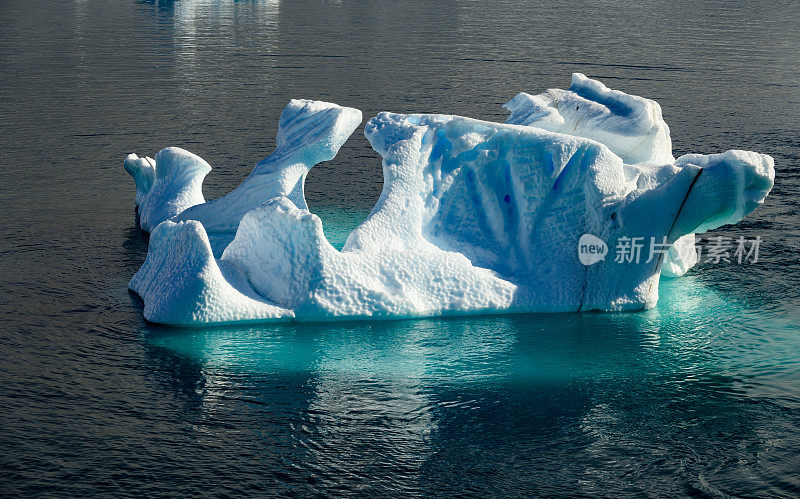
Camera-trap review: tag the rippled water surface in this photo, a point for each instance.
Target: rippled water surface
(700, 396)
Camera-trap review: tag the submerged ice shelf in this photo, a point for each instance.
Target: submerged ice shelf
(474, 217)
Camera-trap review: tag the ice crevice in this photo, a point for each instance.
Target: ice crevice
(474, 216)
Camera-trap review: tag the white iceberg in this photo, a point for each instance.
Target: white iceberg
(474, 217)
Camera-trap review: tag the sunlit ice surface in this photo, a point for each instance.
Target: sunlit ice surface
(474, 216)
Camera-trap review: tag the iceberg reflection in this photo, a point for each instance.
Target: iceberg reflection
(574, 394)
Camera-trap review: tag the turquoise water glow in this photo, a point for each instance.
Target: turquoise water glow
(695, 333)
(698, 396)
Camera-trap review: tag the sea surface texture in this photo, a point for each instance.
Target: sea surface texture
(699, 396)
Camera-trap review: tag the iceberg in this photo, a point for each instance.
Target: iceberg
(474, 216)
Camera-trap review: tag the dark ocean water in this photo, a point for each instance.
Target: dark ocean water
(700, 396)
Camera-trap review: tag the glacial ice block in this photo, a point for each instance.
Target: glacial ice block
(309, 132)
(474, 217)
(517, 199)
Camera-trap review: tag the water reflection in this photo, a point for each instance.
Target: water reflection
(162, 7)
(692, 333)
(586, 398)
(198, 25)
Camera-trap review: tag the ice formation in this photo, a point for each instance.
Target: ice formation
(169, 188)
(474, 217)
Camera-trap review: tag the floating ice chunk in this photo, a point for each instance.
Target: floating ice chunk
(631, 126)
(181, 283)
(474, 217)
(309, 132)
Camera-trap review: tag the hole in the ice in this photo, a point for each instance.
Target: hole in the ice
(507, 198)
(338, 223)
(343, 191)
